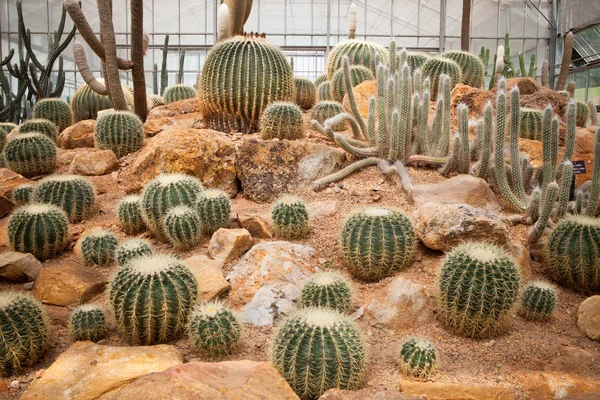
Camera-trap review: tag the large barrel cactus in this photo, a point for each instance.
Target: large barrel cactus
(73, 193)
(40, 125)
(359, 52)
(416, 60)
(434, 68)
(473, 70)
(119, 131)
(86, 103)
(30, 154)
(55, 110)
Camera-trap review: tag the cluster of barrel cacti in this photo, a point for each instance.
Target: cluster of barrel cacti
(131, 249)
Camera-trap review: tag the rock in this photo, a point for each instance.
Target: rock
(68, 284)
(186, 106)
(19, 267)
(269, 169)
(228, 380)
(461, 189)
(228, 244)
(555, 384)
(88, 371)
(80, 134)
(322, 209)
(400, 304)
(152, 127)
(4, 242)
(58, 315)
(256, 225)
(443, 226)
(526, 85)
(8, 181)
(448, 391)
(366, 394)
(522, 256)
(588, 317)
(211, 283)
(97, 162)
(474, 98)
(362, 93)
(544, 96)
(203, 153)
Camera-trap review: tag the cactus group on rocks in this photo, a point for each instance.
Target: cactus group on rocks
(99, 247)
(282, 120)
(290, 217)
(213, 330)
(119, 131)
(75, 194)
(327, 289)
(88, 323)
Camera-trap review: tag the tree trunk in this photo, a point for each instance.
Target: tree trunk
(107, 36)
(137, 58)
(465, 30)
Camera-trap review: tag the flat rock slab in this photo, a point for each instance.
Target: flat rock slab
(366, 394)
(556, 384)
(228, 244)
(68, 284)
(448, 391)
(94, 162)
(19, 267)
(461, 189)
(211, 283)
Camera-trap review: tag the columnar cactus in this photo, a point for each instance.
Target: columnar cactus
(377, 242)
(73, 193)
(582, 113)
(324, 91)
(233, 95)
(531, 124)
(133, 248)
(318, 349)
(22, 194)
(31, 154)
(478, 286)
(39, 229)
(99, 247)
(55, 110)
(88, 323)
(23, 332)
(326, 109)
(162, 193)
(282, 120)
(178, 92)
(86, 103)
(39, 125)
(416, 60)
(473, 70)
(418, 358)
(306, 93)
(359, 52)
(327, 289)
(119, 131)
(358, 74)
(182, 227)
(435, 67)
(130, 214)
(538, 301)
(214, 209)
(290, 217)
(213, 330)
(151, 298)
(573, 253)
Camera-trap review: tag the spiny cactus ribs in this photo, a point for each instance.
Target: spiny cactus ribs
(44, 126)
(214, 209)
(88, 323)
(131, 249)
(178, 92)
(119, 131)
(358, 74)
(359, 52)
(75, 194)
(55, 110)
(538, 301)
(22, 194)
(98, 248)
(182, 227)
(290, 217)
(418, 358)
(30, 154)
(327, 289)
(434, 68)
(282, 120)
(472, 69)
(306, 93)
(326, 109)
(130, 214)
(86, 103)
(213, 330)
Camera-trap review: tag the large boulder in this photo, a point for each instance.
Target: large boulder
(474, 98)
(461, 189)
(208, 273)
(450, 391)
(94, 162)
(187, 106)
(19, 267)
(228, 380)
(80, 134)
(8, 181)
(68, 284)
(362, 93)
(88, 371)
(556, 384)
(588, 317)
(269, 169)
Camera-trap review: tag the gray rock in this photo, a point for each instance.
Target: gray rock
(19, 267)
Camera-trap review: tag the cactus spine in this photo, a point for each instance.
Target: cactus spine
(177, 93)
(290, 217)
(282, 120)
(538, 301)
(214, 209)
(22, 194)
(326, 109)
(324, 91)
(73, 193)
(131, 249)
(119, 131)
(30, 154)
(358, 74)
(55, 110)
(418, 358)
(182, 227)
(44, 126)
(88, 323)
(583, 113)
(130, 214)
(213, 330)
(98, 248)
(359, 52)
(416, 60)
(306, 93)
(86, 103)
(472, 69)
(320, 79)
(327, 289)
(436, 67)
(531, 124)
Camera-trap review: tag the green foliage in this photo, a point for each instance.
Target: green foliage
(326, 109)
(472, 69)
(39, 229)
(282, 120)
(178, 92)
(119, 131)
(416, 60)
(531, 124)
(86, 103)
(182, 227)
(582, 113)
(377, 242)
(99, 247)
(435, 67)
(30, 154)
(234, 94)
(290, 217)
(214, 208)
(88, 323)
(130, 214)
(133, 248)
(306, 93)
(358, 74)
(55, 110)
(538, 301)
(73, 193)
(320, 79)
(324, 91)
(213, 330)
(151, 298)
(479, 284)
(327, 289)
(44, 126)
(359, 52)
(23, 332)
(418, 358)
(22, 194)
(318, 349)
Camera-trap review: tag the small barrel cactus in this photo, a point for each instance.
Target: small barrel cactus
(538, 301)
(162, 193)
(324, 91)
(320, 79)
(282, 120)
(290, 217)
(418, 358)
(182, 227)
(479, 284)
(119, 131)
(435, 67)
(130, 214)
(99, 247)
(213, 330)
(155, 100)
(131, 249)
(306, 93)
(582, 113)
(327, 289)
(86, 103)
(416, 60)
(22, 194)
(326, 109)
(23, 332)
(55, 110)
(214, 208)
(5, 128)
(573, 253)
(39, 229)
(39, 125)
(471, 67)
(358, 74)
(30, 154)
(531, 124)
(73, 193)
(377, 242)
(359, 52)
(317, 349)
(88, 323)
(151, 298)
(178, 92)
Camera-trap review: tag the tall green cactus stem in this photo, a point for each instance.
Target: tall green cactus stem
(327, 289)
(178, 92)
(290, 218)
(99, 247)
(484, 57)
(463, 129)
(88, 323)
(48, 128)
(538, 301)
(31, 154)
(75, 194)
(213, 330)
(129, 211)
(24, 328)
(182, 227)
(532, 66)
(531, 124)
(487, 141)
(565, 189)
(319, 349)
(582, 113)
(472, 69)
(282, 120)
(39, 229)
(306, 93)
(566, 62)
(324, 91)
(548, 144)
(22, 194)
(131, 249)
(547, 203)
(592, 206)
(418, 358)
(438, 66)
(119, 131)
(515, 122)
(478, 286)
(320, 79)
(358, 74)
(326, 109)
(359, 52)
(214, 209)
(591, 106)
(151, 298)
(86, 103)
(233, 95)
(416, 60)
(55, 110)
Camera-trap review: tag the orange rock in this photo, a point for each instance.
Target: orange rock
(448, 391)
(555, 384)
(179, 107)
(526, 85)
(362, 93)
(474, 98)
(8, 181)
(80, 134)
(68, 284)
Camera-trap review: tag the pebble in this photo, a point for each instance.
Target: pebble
(490, 343)
(15, 384)
(28, 285)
